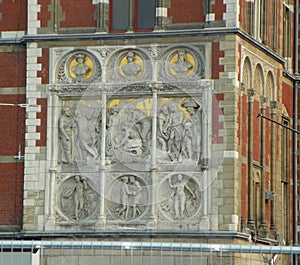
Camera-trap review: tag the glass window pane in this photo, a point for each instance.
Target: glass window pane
(120, 14)
(146, 14)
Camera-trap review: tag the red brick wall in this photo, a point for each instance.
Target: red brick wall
(216, 68)
(256, 132)
(217, 123)
(244, 199)
(44, 15)
(43, 128)
(13, 69)
(11, 193)
(183, 11)
(81, 14)
(12, 129)
(243, 14)
(14, 15)
(44, 61)
(287, 98)
(244, 125)
(219, 8)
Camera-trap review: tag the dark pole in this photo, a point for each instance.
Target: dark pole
(295, 126)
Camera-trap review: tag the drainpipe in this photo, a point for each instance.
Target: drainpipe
(295, 125)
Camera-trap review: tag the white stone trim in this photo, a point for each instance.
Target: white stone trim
(161, 12)
(231, 154)
(33, 22)
(12, 34)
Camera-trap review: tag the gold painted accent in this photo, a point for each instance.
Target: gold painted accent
(189, 58)
(145, 106)
(114, 102)
(87, 62)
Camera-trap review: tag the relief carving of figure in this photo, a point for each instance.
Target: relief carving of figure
(78, 199)
(192, 144)
(179, 196)
(181, 66)
(170, 130)
(111, 126)
(130, 191)
(66, 125)
(86, 120)
(134, 132)
(80, 69)
(131, 68)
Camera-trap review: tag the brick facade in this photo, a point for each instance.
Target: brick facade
(230, 60)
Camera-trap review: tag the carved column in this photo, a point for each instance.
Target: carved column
(251, 94)
(274, 106)
(50, 211)
(153, 190)
(102, 11)
(101, 217)
(263, 227)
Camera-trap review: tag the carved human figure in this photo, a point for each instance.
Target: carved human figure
(187, 141)
(133, 134)
(87, 139)
(111, 127)
(193, 129)
(179, 187)
(124, 197)
(173, 129)
(79, 190)
(80, 69)
(163, 122)
(66, 125)
(130, 190)
(77, 198)
(134, 191)
(181, 66)
(141, 124)
(131, 68)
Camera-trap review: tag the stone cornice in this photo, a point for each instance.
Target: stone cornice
(154, 34)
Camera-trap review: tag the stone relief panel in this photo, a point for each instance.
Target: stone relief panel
(128, 131)
(77, 200)
(78, 67)
(130, 65)
(146, 115)
(79, 132)
(182, 63)
(179, 197)
(128, 198)
(179, 132)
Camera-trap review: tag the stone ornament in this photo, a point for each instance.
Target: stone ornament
(77, 200)
(179, 132)
(179, 197)
(182, 63)
(128, 198)
(128, 65)
(66, 128)
(79, 134)
(78, 67)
